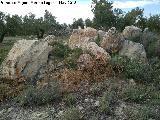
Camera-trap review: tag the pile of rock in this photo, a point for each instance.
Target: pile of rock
(29, 58)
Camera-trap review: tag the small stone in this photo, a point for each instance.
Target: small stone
(40, 115)
(86, 100)
(132, 82)
(9, 109)
(2, 112)
(80, 107)
(96, 103)
(91, 100)
(60, 113)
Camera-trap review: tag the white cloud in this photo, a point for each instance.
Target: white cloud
(133, 4)
(64, 13)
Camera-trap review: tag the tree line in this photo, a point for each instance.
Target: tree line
(12, 25)
(105, 17)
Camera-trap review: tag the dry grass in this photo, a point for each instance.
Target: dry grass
(71, 78)
(10, 88)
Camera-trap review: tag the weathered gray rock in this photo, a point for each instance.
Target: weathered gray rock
(131, 31)
(25, 59)
(82, 36)
(98, 52)
(133, 50)
(49, 39)
(112, 41)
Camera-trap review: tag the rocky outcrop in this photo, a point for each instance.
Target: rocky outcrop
(133, 50)
(84, 39)
(82, 36)
(25, 59)
(112, 41)
(131, 31)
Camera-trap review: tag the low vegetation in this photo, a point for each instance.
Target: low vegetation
(107, 101)
(133, 69)
(69, 99)
(71, 114)
(37, 96)
(141, 94)
(66, 54)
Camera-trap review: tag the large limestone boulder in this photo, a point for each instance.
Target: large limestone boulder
(131, 31)
(98, 52)
(133, 50)
(25, 59)
(78, 37)
(112, 41)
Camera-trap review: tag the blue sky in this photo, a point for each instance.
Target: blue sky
(82, 9)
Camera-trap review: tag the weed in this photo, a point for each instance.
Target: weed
(141, 94)
(37, 96)
(69, 99)
(106, 101)
(140, 113)
(98, 40)
(72, 114)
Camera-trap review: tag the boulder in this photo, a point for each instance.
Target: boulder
(101, 34)
(133, 50)
(112, 41)
(98, 52)
(25, 59)
(131, 31)
(82, 36)
(49, 39)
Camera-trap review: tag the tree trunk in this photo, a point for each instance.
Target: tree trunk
(40, 34)
(2, 37)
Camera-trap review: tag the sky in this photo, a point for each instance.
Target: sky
(65, 13)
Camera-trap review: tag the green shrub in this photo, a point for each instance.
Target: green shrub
(141, 94)
(72, 114)
(106, 101)
(149, 41)
(71, 60)
(69, 100)
(63, 52)
(132, 69)
(135, 94)
(140, 113)
(98, 40)
(37, 96)
(3, 53)
(60, 50)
